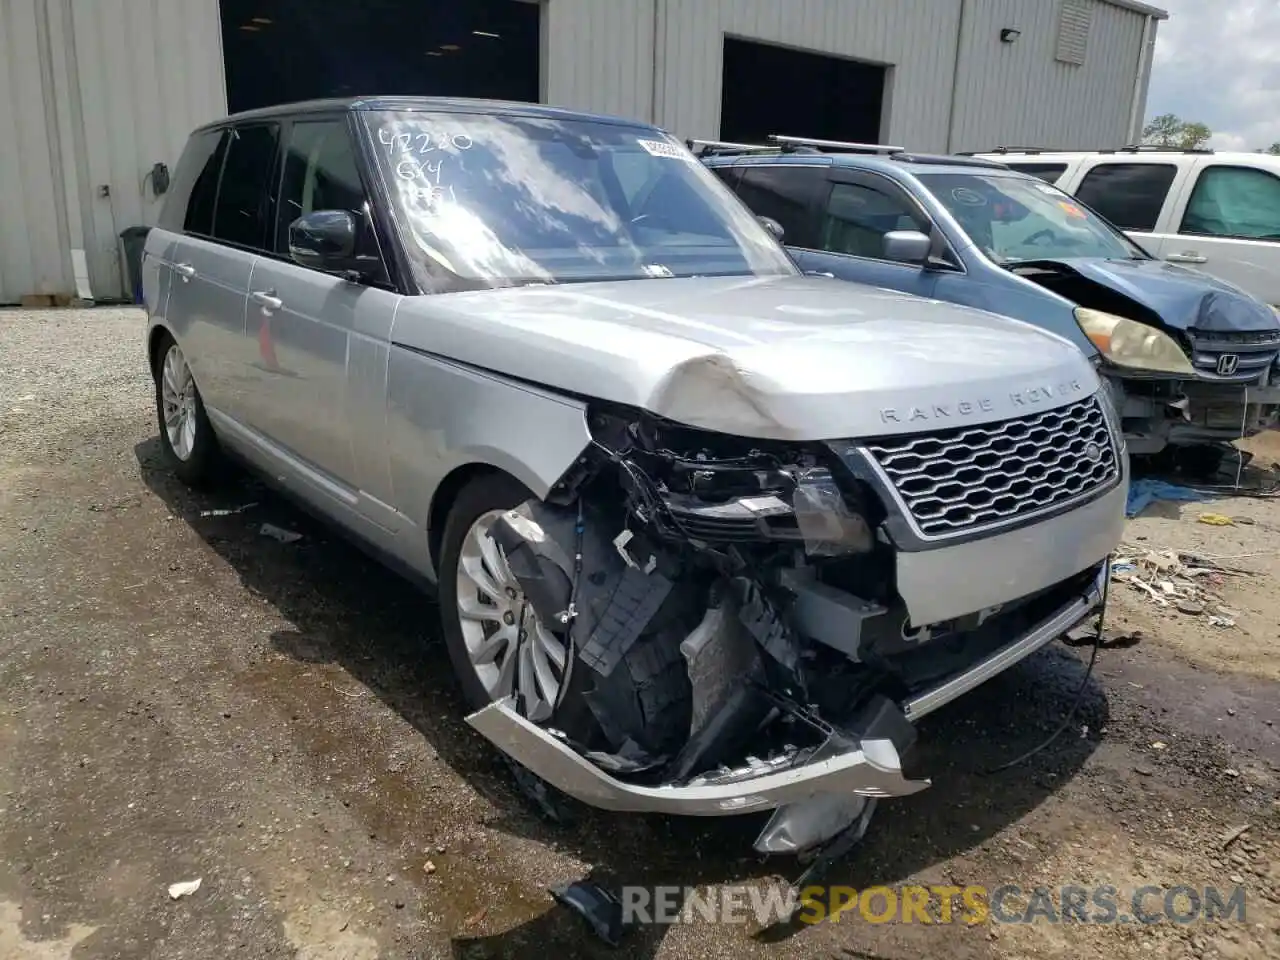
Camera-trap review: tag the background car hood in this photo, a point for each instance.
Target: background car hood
(1184, 299)
(800, 358)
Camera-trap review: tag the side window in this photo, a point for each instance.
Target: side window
(189, 204)
(857, 217)
(1049, 172)
(321, 173)
(244, 194)
(728, 174)
(1238, 202)
(788, 195)
(1130, 195)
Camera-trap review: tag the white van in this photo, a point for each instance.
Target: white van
(1217, 212)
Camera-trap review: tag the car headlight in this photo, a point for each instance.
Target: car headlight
(1129, 343)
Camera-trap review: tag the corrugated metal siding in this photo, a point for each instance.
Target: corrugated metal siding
(1019, 94)
(916, 37)
(146, 73)
(96, 91)
(599, 56)
(31, 250)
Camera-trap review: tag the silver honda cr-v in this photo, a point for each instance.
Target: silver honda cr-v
(708, 535)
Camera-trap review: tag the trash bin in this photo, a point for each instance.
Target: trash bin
(132, 242)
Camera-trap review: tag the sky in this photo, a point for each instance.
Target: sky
(1218, 62)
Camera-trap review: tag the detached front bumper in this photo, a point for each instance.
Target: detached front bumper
(870, 768)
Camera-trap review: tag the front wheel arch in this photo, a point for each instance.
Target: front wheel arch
(444, 498)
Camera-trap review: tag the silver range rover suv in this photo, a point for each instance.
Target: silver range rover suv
(708, 535)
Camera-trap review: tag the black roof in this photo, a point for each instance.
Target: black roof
(435, 104)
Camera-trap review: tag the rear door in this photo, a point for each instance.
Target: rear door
(1227, 223)
(317, 375)
(858, 209)
(224, 230)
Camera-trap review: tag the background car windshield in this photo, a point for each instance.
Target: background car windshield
(501, 200)
(1014, 219)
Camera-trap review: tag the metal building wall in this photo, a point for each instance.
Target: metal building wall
(1018, 94)
(97, 91)
(599, 56)
(916, 37)
(31, 259)
(138, 76)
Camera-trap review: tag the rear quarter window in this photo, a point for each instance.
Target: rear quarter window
(188, 206)
(1130, 195)
(787, 193)
(1049, 172)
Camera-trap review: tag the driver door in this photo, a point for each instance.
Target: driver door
(857, 210)
(319, 342)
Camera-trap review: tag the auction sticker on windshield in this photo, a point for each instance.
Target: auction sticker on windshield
(660, 148)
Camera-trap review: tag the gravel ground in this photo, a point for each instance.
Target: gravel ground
(183, 698)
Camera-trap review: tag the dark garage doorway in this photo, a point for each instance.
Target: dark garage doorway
(279, 51)
(770, 89)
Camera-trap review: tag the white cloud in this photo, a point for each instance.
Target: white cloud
(1218, 62)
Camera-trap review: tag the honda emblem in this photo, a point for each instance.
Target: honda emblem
(1228, 363)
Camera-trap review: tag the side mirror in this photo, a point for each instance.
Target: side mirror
(907, 246)
(774, 227)
(324, 240)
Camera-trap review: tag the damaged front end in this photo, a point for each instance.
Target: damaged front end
(756, 625)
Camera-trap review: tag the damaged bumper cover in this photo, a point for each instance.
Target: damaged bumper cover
(870, 767)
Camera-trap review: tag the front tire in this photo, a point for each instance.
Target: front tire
(496, 642)
(186, 436)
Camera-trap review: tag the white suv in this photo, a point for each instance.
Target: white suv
(1217, 212)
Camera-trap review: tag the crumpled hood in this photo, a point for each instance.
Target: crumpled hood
(799, 358)
(1184, 299)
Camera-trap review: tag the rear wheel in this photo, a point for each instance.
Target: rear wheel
(186, 435)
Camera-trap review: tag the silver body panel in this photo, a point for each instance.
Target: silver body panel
(794, 358)
(940, 584)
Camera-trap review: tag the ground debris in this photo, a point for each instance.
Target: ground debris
(1234, 834)
(1186, 582)
(228, 511)
(279, 533)
(184, 889)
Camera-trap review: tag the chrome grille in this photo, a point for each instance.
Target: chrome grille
(959, 480)
(1254, 353)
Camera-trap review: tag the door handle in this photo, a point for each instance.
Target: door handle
(267, 299)
(185, 270)
(1186, 258)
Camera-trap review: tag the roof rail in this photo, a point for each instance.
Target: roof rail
(792, 143)
(1130, 148)
(1157, 148)
(1010, 148)
(710, 148)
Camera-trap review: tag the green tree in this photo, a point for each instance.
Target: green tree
(1274, 149)
(1163, 130)
(1169, 130)
(1194, 135)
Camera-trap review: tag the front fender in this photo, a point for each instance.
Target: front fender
(443, 415)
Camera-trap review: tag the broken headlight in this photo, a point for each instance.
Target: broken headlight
(716, 489)
(1128, 343)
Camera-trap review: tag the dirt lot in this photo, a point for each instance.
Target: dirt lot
(181, 697)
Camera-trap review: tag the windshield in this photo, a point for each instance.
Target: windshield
(486, 201)
(1013, 219)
